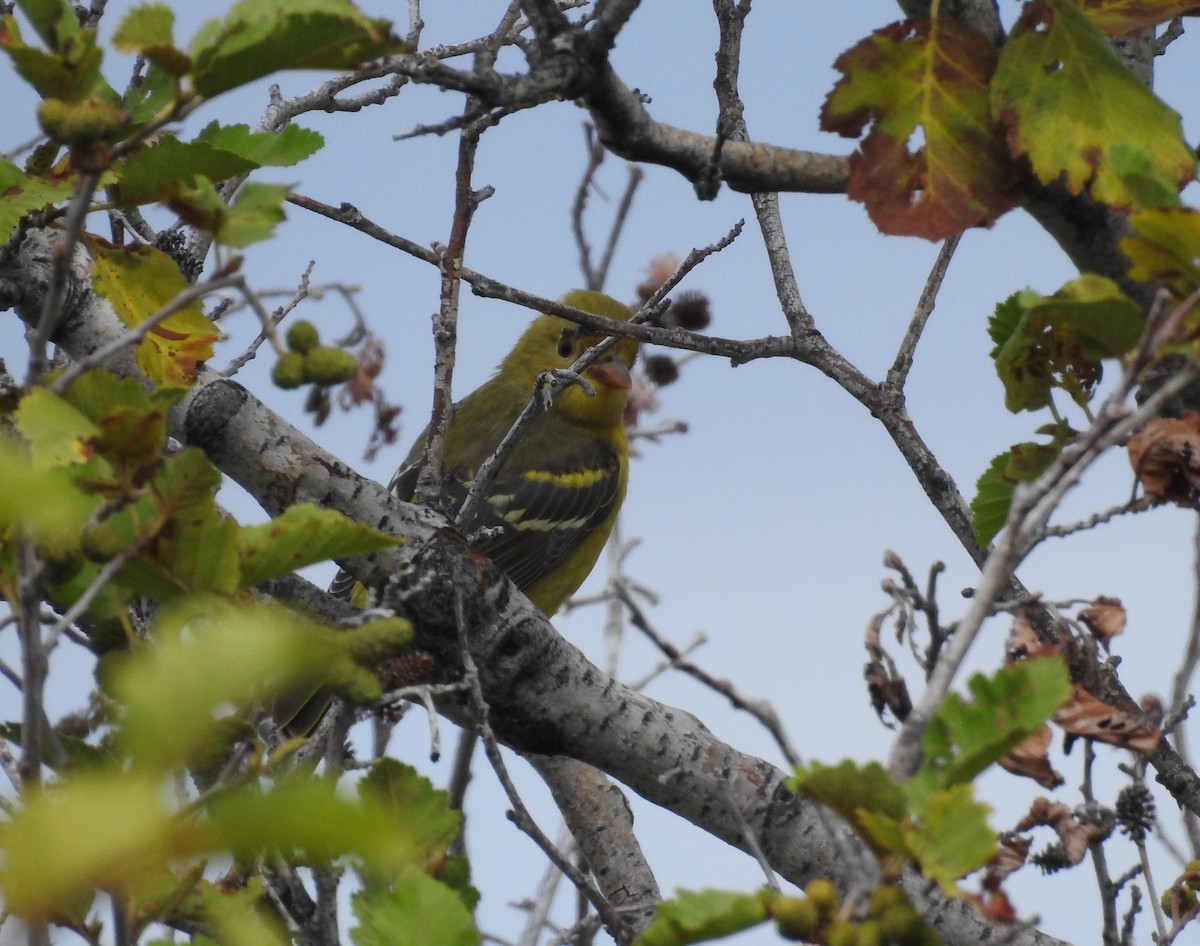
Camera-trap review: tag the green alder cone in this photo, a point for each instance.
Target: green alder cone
(289, 371)
(841, 933)
(80, 123)
(795, 917)
(302, 337)
(824, 897)
(324, 365)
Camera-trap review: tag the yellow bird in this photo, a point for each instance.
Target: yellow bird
(551, 505)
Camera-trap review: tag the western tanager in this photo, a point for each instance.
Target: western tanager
(552, 503)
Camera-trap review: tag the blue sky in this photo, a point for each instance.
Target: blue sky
(764, 526)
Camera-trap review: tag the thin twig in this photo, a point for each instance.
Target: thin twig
(1181, 685)
(544, 894)
(519, 815)
(898, 374)
(595, 157)
(1141, 504)
(268, 331)
(738, 351)
(760, 710)
(636, 174)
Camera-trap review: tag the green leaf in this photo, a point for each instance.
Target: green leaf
(851, 788)
(148, 31)
(289, 146)
(416, 911)
(1059, 341)
(696, 916)
(149, 97)
(210, 656)
(237, 918)
(159, 172)
(993, 499)
(1078, 114)
(1107, 322)
(58, 434)
(71, 72)
(966, 736)
(253, 214)
(950, 836)
(92, 830)
(375, 641)
(145, 26)
(421, 812)
(22, 193)
(308, 821)
(259, 37)
(1136, 171)
(46, 503)
(1119, 17)
(99, 394)
(302, 535)
(1165, 249)
(79, 754)
(885, 833)
(1023, 371)
(1023, 463)
(139, 281)
(53, 20)
(131, 422)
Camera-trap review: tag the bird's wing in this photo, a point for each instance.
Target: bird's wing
(541, 512)
(540, 507)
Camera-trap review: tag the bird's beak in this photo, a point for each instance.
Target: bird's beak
(612, 374)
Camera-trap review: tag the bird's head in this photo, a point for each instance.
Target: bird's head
(552, 343)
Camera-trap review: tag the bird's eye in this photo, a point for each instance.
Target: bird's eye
(565, 346)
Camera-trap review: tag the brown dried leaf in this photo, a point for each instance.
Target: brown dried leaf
(1165, 455)
(888, 691)
(1105, 618)
(997, 908)
(661, 268)
(1011, 852)
(1031, 758)
(1152, 706)
(1023, 641)
(1074, 834)
(1086, 716)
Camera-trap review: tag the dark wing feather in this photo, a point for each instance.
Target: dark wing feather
(544, 514)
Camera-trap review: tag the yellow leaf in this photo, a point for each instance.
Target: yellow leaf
(139, 281)
(93, 831)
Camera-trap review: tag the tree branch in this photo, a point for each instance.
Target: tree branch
(543, 695)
